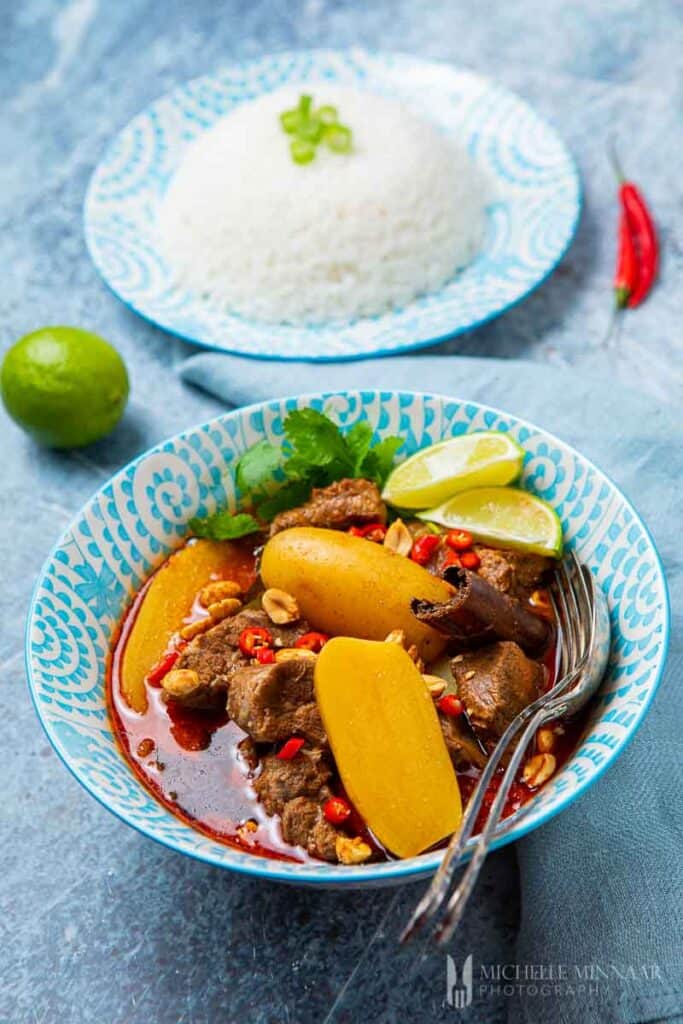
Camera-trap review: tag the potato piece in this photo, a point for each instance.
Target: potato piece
(385, 736)
(347, 586)
(166, 602)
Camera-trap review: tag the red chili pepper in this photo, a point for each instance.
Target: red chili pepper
(264, 655)
(312, 641)
(470, 560)
(162, 668)
(638, 224)
(459, 540)
(644, 236)
(371, 531)
(626, 276)
(290, 749)
(250, 640)
(336, 810)
(424, 547)
(451, 705)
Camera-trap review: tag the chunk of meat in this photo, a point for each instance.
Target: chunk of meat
(215, 655)
(273, 702)
(336, 507)
(495, 683)
(304, 824)
(461, 742)
(282, 781)
(516, 573)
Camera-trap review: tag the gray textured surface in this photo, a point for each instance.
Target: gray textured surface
(98, 923)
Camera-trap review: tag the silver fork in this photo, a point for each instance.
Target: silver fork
(584, 634)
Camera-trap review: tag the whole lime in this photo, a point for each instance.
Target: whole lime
(66, 387)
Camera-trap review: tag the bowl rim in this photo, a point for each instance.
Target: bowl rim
(323, 874)
(424, 338)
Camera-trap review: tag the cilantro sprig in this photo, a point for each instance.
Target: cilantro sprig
(314, 453)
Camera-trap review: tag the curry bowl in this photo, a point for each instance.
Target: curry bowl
(140, 516)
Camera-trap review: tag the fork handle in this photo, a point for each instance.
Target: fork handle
(461, 894)
(442, 879)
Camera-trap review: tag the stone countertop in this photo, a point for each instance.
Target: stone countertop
(99, 923)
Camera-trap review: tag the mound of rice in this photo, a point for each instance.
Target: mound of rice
(342, 237)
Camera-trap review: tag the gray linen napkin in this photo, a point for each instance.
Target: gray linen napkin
(601, 885)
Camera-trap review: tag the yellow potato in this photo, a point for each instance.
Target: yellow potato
(387, 743)
(166, 602)
(347, 586)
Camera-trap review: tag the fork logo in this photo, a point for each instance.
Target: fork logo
(458, 994)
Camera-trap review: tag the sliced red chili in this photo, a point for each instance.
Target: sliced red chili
(264, 655)
(371, 531)
(312, 641)
(424, 547)
(162, 668)
(336, 810)
(451, 705)
(459, 540)
(470, 560)
(290, 749)
(253, 638)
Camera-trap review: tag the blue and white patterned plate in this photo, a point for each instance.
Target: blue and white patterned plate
(533, 209)
(137, 518)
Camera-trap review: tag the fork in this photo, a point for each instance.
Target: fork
(583, 622)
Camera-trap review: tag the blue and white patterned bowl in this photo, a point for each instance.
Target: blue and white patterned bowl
(137, 518)
(533, 209)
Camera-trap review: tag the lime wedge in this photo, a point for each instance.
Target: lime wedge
(442, 470)
(505, 516)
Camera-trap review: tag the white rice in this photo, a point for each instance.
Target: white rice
(342, 237)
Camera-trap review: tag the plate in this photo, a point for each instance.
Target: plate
(129, 527)
(531, 216)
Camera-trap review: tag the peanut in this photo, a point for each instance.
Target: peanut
(180, 682)
(545, 740)
(398, 538)
(193, 629)
(292, 653)
(352, 851)
(280, 607)
(218, 591)
(538, 770)
(222, 609)
(435, 684)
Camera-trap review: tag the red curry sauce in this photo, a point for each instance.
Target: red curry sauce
(190, 761)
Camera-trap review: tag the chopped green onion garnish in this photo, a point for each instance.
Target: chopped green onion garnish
(305, 103)
(327, 114)
(302, 152)
(310, 127)
(311, 130)
(338, 137)
(290, 121)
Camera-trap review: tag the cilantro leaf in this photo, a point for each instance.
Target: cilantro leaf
(379, 461)
(315, 453)
(257, 466)
(358, 441)
(317, 440)
(224, 526)
(294, 493)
